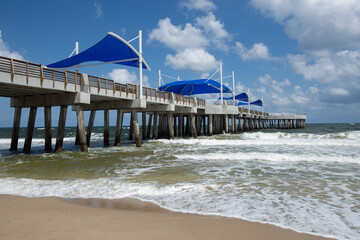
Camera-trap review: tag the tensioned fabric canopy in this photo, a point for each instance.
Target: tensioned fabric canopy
(193, 87)
(242, 103)
(240, 97)
(111, 49)
(257, 103)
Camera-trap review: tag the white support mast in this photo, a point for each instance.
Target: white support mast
(248, 100)
(221, 85)
(262, 106)
(233, 78)
(159, 77)
(140, 66)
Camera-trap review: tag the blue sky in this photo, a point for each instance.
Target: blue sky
(301, 56)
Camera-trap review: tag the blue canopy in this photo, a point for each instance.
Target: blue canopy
(240, 97)
(242, 103)
(112, 49)
(257, 103)
(192, 87)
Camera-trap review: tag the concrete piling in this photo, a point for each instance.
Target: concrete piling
(90, 126)
(47, 119)
(30, 130)
(119, 124)
(61, 129)
(15, 129)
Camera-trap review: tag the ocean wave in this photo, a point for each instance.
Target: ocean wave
(273, 157)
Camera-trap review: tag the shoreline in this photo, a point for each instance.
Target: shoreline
(128, 218)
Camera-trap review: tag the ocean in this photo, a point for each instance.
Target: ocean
(304, 179)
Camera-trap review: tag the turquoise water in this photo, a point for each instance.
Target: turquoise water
(304, 179)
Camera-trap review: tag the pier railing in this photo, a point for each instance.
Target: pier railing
(34, 70)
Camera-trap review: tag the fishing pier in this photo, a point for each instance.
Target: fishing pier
(164, 114)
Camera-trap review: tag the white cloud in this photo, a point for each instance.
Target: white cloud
(204, 75)
(6, 52)
(124, 76)
(258, 51)
(178, 38)
(202, 5)
(99, 12)
(215, 30)
(343, 66)
(194, 59)
(339, 92)
(317, 25)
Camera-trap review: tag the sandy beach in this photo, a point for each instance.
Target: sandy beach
(55, 218)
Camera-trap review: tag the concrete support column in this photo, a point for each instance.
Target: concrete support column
(143, 126)
(136, 127)
(155, 126)
(15, 129)
(81, 128)
(210, 123)
(181, 126)
(61, 129)
(106, 128)
(90, 126)
(30, 130)
(233, 124)
(47, 118)
(131, 129)
(198, 125)
(119, 123)
(175, 125)
(188, 126)
(193, 125)
(226, 123)
(170, 125)
(241, 126)
(204, 125)
(149, 125)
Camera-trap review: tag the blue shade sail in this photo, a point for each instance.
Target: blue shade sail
(240, 97)
(242, 103)
(257, 103)
(193, 87)
(111, 49)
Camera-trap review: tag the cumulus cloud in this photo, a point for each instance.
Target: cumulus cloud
(177, 37)
(339, 92)
(124, 76)
(339, 67)
(6, 52)
(202, 5)
(258, 51)
(317, 25)
(99, 12)
(215, 30)
(194, 59)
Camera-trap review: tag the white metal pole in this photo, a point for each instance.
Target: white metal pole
(140, 65)
(178, 78)
(262, 105)
(159, 77)
(221, 85)
(248, 100)
(233, 78)
(76, 48)
(77, 52)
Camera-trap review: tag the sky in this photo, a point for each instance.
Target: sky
(301, 56)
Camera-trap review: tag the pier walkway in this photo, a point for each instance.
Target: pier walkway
(168, 115)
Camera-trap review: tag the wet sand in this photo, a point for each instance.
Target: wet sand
(56, 218)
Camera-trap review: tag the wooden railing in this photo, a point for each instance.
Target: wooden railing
(201, 102)
(34, 70)
(154, 95)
